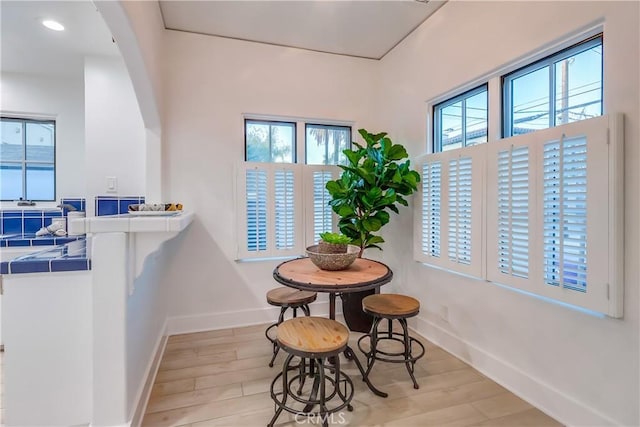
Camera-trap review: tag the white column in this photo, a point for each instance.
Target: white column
(109, 267)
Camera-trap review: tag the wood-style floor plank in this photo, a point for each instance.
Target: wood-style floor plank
(221, 378)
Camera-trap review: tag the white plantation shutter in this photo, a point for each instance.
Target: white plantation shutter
(511, 196)
(270, 210)
(431, 204)
(256, 210)
(513, 204)
(554, 213)
(450, 217)
(459, 233)
(320, 215)
(284, 209)
(565, 213)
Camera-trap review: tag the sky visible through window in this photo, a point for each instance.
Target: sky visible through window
(27, 155)
(577, 92)
(554, 93)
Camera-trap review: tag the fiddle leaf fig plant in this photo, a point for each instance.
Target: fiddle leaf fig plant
(374, 182)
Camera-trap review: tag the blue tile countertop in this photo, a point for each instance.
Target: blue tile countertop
(30, 239)
(72, 256)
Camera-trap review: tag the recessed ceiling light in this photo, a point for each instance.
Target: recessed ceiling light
(53, 25)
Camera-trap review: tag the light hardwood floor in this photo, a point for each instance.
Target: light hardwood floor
(221, 378)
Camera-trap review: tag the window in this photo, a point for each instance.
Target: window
(324, 144)
(540, 210)
(270, 141)
(450, 218)
(559, 89)
(27, 159)
(551, 204)
(283, 207)
(461, 121)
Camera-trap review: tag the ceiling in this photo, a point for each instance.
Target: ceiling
(360, 28)
(28, 47)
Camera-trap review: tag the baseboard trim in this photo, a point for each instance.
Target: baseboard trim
(543, 396)
(232, 319)
(152, 370)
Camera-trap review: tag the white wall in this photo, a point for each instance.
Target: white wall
(49, 358)
(146, 314)
(579, 368)
(138, 29)
(60, 97)
(115, 133)
(210, 83)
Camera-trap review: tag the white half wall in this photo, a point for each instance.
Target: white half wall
(581, 369)
(210, 83)
(115, 134)
(60, 98)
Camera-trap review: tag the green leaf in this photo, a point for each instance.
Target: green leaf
(393, 208)
(353, 157)
(333, 187)
(366, 201)
(378, 136)
(382, 216)
(397, 178)
(374, 154)
(345, 211)
(397, 152)
(375, 239)
(374, 193)
(371, 224)
(411, 179)
(372, 246)
(385, 144)
(367, 175)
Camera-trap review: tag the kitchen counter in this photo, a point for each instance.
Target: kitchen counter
(128, 223)
(71, 256)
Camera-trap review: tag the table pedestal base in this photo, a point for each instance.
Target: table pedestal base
(356, 319)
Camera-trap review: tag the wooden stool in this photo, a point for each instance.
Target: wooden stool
(285, 298)
(390, 307)
(316, 339)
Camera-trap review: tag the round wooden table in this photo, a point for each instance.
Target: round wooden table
(362, 275)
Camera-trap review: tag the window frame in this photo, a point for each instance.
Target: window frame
(303, 181)
(24, 121)
(437, 122)
(270, 123)
(547, 61)
(325, 126)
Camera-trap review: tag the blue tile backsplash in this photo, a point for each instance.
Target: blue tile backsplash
(14, 221)
(114, 205)
(78, 203)
(18, 228)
